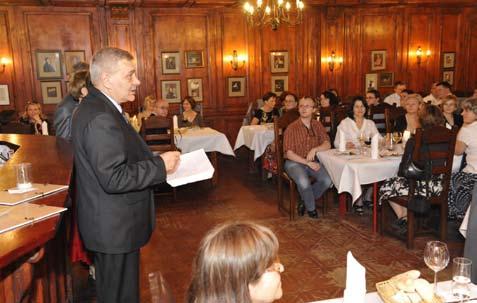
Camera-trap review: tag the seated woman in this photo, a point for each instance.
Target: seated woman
(237, 263)
(35, 118)
(462, 182)
(189, 116)
(266, 113)
(147, 109)
(410, 120)
(328, 99)
(429, 116)
(448, 107)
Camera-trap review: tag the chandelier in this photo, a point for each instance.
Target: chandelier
(274, 12)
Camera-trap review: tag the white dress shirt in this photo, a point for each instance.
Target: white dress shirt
(467, 136)
(351, 131)
(394, 98)
(432, 99)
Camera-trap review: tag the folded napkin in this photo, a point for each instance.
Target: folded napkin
(342, 141)
(175, 122)
(405, 136)
(355, 290)
(375, 147)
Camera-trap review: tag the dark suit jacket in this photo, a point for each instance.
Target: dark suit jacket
(470, 249)
(64, 112)
(114, 173)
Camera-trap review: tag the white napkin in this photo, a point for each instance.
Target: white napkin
(375, 147)
(405, 136)
(175, 124)
(465, 222)
(44, 128)
(355, 290)
(342, 142)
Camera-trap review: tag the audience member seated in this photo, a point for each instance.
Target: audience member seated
(335, 92)
(189, 117)
(373, 97)
(404, 94)
(395, 98)
(302, 140)
(448, 106)
(410, 120)
(443, 89)
(328, 100)
(237, 263)
(429, 116)
(64, 111)
(266, 113)
(147, 109)
(463, 182)
(289, 110)
(34, 117)
(161, 108)
(432, 98)
(475, 93)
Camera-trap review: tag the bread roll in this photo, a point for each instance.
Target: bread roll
(425, 290)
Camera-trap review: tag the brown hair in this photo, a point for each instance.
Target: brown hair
(191, 102)
(431, 115)
(30, 103)
(80, 80)
(149, 102)
(470, 104)
(230, 257)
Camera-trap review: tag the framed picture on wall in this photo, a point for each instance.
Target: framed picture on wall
(194, 58)
(194, 89)
(4, 95)
(279, 61)
(279, 84)
(73, 57)
(171, 62)
(171, 91)
(371, 81)
(236, 86)
(448, 60)
(378, 60)
(48, 64)
(51, 92)
(448, 75)
(386, 79)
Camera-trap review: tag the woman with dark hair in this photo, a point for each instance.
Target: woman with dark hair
(266, 113)
(429, 116)
(189, 116)
(237, 263)
(33, 116)
(328, 99)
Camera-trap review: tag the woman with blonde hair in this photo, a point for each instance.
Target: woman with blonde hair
(448, 106)
(33, 116)
(410, 120)
(237, 263)
(147, 108)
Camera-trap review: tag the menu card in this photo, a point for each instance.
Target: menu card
(193, 167)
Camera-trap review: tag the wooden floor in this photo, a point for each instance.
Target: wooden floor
(312, 251)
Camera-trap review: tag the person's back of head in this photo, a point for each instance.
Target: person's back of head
(230, 264)
(430, 116)
(78, 84)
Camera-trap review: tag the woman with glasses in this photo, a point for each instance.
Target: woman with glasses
(34, 117)
(237, 263)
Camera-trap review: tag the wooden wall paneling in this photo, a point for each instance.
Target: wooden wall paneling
(255, 82)
(308, 72)
(470, 73)
(449, 42)
(333, 38)
(6, 75)
(350, 74)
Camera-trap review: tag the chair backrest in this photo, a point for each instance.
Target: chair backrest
(248, 115)
(337, 115)
(325, 118)
(377, 114)
(158, 133)
(390, 115)
(278, 145)
(17, 128)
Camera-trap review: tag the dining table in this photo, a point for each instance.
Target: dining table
(209, 139)
(349, 171)
(256, 138)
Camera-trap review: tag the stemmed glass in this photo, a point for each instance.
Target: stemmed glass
(461, 278)
(436, 257)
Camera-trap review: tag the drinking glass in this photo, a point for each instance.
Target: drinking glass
(23, 175)
(436, 257)
(397, 136)
(461, 278)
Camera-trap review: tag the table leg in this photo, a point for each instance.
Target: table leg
(342, 204)
(215, 177)
(251, 161)
(375, 207)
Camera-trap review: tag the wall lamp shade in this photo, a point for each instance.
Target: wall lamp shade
(3, 62)
(333, 61)
(236, 61)
(419, 53)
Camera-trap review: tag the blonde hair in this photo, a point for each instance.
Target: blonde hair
(231, 256)
(106, 60)
(32, 103)
(415, 97)
(149, 102)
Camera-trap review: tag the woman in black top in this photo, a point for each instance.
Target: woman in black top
(449, 106)
(266, 113)
(34, 117)
(409, 121)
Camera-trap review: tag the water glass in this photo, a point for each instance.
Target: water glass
(23, 175)
(461, 270)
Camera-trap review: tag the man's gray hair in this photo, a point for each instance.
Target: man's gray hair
(106, 60)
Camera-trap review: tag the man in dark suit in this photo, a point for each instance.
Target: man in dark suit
(114, 174)
(470, 249)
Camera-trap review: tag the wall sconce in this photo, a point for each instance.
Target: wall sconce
(332, 60)
(419, 53)
(236, 61)
(4, 61)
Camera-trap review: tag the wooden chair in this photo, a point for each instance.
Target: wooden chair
(17, 128)
(391, 113)
(377, 114)
(337, 115)
(441, 143)
(283, 176)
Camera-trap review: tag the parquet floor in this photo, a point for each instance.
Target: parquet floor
(312, 251)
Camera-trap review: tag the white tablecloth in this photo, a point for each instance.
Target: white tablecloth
(349, 172)
(443, 289)
(207, 138)
(255, 137)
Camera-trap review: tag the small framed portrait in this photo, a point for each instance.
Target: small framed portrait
(171, 91)
(171, 62)
(194, 58)
(386, 79)
(448, 75)
(4, 95)
(371, 81)
(194, 89)
(48, 64)
(378, 60)
(279, 61)
(73, 57)
(279, 84)
(448, 60)
(236, 86)
(51, 92)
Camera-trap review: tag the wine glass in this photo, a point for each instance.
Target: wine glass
(436, 257)
(461, 278)
(397, 136)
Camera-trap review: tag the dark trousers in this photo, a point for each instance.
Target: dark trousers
(117, 277)
(470, 249)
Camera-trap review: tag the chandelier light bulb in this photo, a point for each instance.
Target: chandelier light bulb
(259, 3)
(287, 6)
(280, 2)
(268, 10)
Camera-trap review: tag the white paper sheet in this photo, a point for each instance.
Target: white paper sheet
(12, 217)
(194, 166)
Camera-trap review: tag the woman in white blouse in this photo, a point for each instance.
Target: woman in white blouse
(356, 125)
(352, 128)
